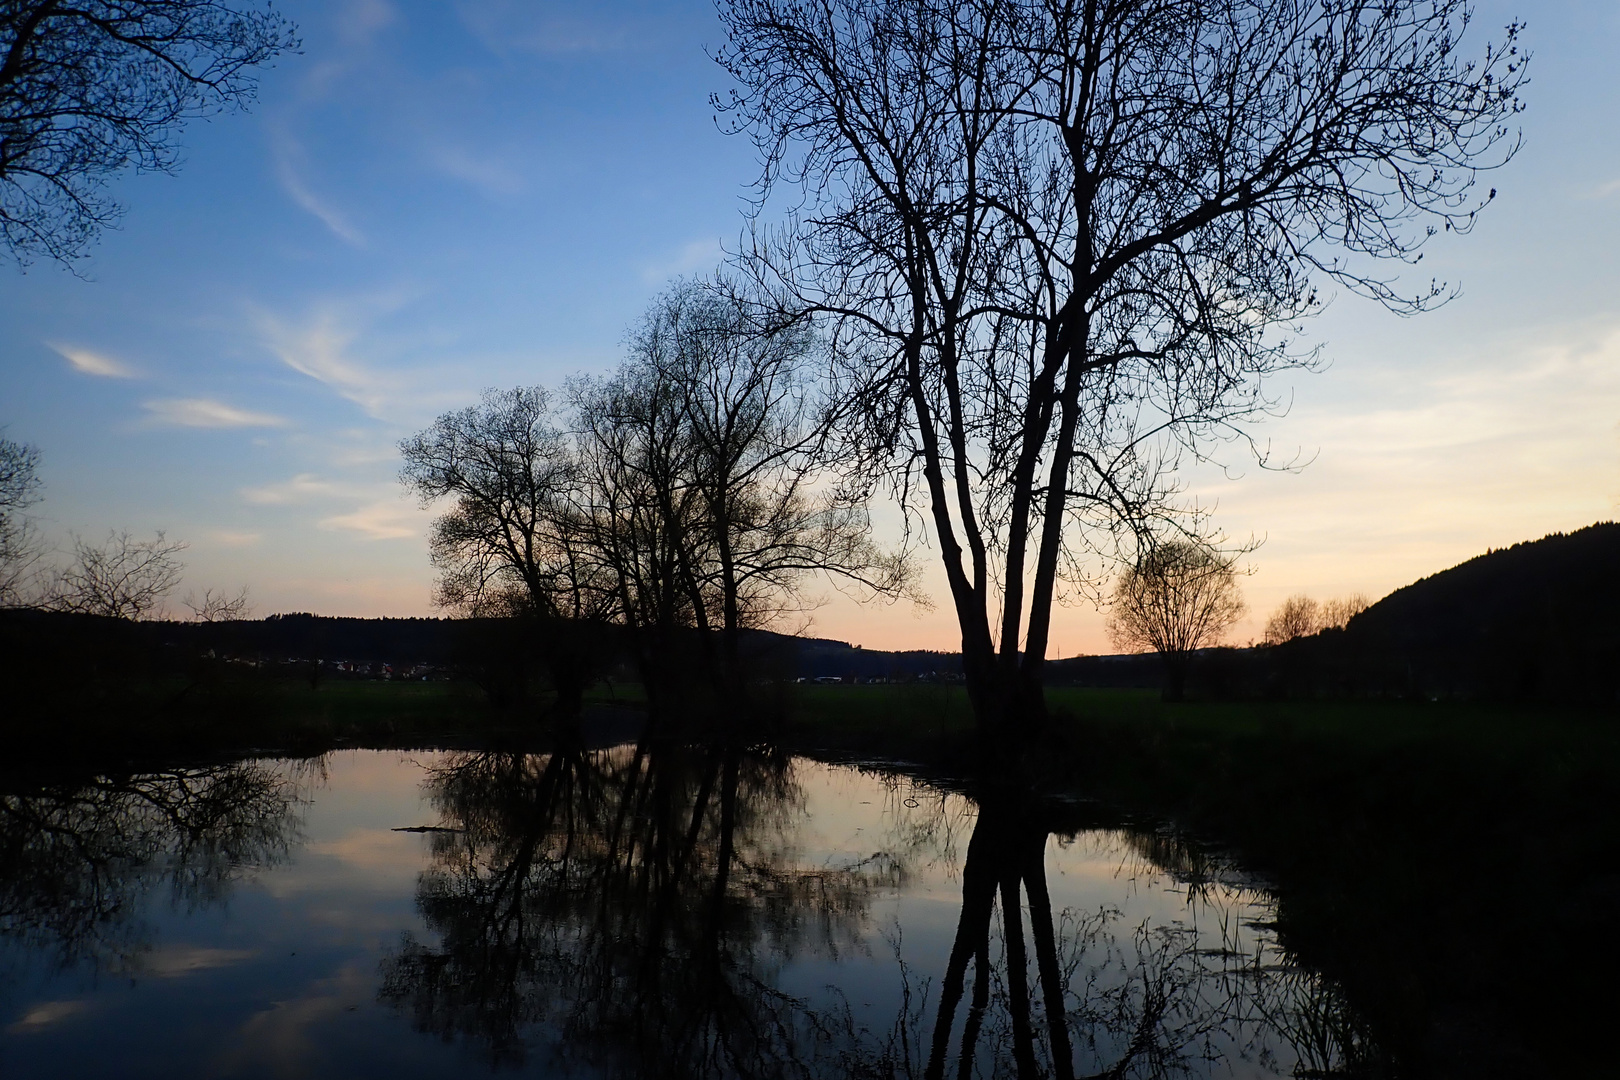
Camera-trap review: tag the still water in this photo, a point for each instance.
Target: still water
(680, 912)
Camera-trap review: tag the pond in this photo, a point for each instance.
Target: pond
(681, 911)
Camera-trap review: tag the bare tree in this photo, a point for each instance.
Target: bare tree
(505, 543)
(706, 481)
(1058, 245)
(1180, 596)
(753, 439)
(123, 578)
(1337, 613)
(510, 543)
(91, 87)
(20, 546)
(1299, 616)
(220, 606)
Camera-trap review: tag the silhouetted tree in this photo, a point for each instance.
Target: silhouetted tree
(1299, 616)
(510, 543)
(1179, 597)
(1057, 245)
(219, 606)
(91, 87)
(20, 548)
(733, 453)
(123, 578)
(1338, 612)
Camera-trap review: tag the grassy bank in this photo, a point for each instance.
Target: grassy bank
(270, 713)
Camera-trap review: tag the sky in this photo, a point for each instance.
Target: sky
(440, 196)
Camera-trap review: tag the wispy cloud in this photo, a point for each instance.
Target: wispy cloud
(45, 1014)
(94, 363)
(485, 173)
(177, 960)
(232, 538)
(361, 20)
(378, 521)
(302, 488)
(290, 162)
(206, 413)
(319, 349)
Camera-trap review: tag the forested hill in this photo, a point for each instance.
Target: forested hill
(1538, 619)
(1562, 590)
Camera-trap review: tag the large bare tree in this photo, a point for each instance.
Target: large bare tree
(89, 88)
(1060, 243)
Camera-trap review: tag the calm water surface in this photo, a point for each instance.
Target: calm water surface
(603, 913)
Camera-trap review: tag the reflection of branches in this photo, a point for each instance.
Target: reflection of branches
(1099, 998)
(633, 907)
(77, 859)
(630, 911)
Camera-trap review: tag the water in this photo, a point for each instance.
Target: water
(685, 912)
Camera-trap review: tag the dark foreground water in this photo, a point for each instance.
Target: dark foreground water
(688, 912)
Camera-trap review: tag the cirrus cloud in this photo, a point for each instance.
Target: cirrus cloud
(94, 363)
(378, 521)
(206, 413)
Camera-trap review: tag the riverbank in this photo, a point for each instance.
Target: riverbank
(1452, 866)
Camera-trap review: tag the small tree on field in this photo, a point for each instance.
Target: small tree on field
(1179, 596)
(1299, 616)
(123, 578)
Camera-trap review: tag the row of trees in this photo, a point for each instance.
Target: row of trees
(1300, 616)
(686, 497)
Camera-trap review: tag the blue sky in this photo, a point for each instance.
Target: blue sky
(442, 196)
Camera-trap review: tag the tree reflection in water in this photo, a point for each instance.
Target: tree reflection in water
(639, 903)
(78, 859)
(631, 911)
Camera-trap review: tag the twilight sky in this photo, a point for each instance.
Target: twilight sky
(444, 195)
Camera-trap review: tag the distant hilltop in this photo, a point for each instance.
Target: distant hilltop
(1536, 621)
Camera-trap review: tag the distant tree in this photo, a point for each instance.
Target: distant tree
(1299, 616)
(1337, 613)
(20, 547)
(1056, 246)
(752, 450)
(1180, 596)
(219, 606)
(89, 88)
(707, 481)
(123, 578)
(504, 541)
(509, 542)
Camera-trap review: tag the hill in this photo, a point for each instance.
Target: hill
(1540, 619)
